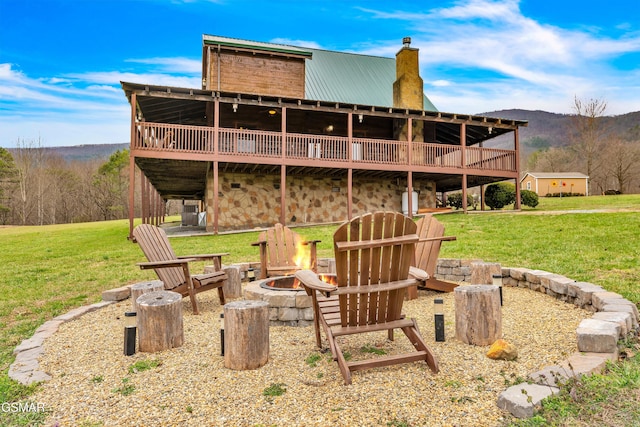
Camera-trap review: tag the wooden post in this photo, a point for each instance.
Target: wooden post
(159, 321)
(246, 334)
(482, 272)
(478, 314)
(143, 288)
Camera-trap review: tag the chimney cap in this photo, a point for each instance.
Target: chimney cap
(406, 41)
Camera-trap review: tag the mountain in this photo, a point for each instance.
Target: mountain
(552, 130)
(545, 130)
(87, 151)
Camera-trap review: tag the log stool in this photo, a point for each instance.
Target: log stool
(159, 321)
(232, 287)
(478, 314)
(246, 334)
(143, 288)
(482, 272)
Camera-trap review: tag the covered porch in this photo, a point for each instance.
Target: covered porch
(184, 139)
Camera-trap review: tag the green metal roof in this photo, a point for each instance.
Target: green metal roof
(246, 44)
(332, 76)
(353, 79)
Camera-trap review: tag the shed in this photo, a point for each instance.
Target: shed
(556, 183)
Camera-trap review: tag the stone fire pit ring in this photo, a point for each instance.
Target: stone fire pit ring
(286, 307)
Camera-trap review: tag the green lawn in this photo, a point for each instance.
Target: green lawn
(48, 270)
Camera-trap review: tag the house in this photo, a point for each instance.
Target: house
(556, 183)
(296, 135)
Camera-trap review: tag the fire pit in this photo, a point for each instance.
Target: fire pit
(289, 304)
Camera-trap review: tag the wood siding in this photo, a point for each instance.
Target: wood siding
(256, 74)
(555, 186)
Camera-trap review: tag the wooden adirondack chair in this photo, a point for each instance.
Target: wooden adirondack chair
(174, 270)
(278, 246)
(431, 232)
(373, 253)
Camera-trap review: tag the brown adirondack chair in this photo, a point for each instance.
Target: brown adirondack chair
(278, 247)
(431, 232)
(174, 270)
(373, 253)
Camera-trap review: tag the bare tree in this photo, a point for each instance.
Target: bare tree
(622, 160)
(588, 133)
(552, 160)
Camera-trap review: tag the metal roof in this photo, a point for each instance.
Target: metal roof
(333, 76)
(253, 45)
(352, 78)
(566, 175)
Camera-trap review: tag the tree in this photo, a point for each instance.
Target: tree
(499, 195)
(455, 200)
(8, 174)
(110, 186)
(622, 163)
(529, 198)
(588, 133)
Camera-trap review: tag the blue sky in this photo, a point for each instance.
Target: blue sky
(61, 61)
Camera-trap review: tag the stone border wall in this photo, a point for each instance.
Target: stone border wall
(614, 318)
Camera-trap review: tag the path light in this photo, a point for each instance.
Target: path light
(221, 334)
(438, 310)
(251, 274)
(129, 333)
(497, 281)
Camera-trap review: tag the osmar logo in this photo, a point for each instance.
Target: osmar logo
(22, 407)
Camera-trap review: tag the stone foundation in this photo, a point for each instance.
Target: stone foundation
(248, 201)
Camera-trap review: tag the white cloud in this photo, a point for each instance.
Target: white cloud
(172, 65)
(440, 83)
(297, 43)
(537, 61)
(80, 108)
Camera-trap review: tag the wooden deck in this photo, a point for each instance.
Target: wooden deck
(182, 142)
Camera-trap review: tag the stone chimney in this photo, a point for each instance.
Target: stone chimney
(408, 89)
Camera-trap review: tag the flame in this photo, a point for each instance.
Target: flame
(302, 259)
(289, 282)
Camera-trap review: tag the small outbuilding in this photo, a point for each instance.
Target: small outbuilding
(556, 183)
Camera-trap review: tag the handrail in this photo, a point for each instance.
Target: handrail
(297, 146)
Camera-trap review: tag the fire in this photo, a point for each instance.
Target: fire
(302, 259)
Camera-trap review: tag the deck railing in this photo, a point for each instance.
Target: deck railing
(264, 144)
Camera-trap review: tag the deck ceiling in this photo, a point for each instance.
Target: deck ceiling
(162, 104)
(176, 179)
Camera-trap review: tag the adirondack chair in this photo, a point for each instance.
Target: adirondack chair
(278, 247)
(431, 232)
(373, 253)
(174, 270)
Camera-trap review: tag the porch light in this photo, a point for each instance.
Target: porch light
(360, 118)
(272, 112)
(329, 128)
(235, 107)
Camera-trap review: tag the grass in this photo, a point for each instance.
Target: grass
(46, 271)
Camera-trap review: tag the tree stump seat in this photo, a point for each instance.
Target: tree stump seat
(246, 334)
(478, 314)
(143, 288)
(159, 319)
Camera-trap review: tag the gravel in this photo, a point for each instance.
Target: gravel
(92, 383)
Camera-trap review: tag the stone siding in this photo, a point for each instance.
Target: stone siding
(249, 201)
